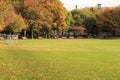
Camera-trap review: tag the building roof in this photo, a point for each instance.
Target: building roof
(81, 28)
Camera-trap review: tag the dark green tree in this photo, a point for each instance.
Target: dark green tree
(78, 20)
(84, 17)
(69, 20)
(89, 18)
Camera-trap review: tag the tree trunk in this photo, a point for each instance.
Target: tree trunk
(25, 33)
(10, 37)
(48, 34)
(31, 34)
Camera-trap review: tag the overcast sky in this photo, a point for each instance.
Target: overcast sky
(70, 4)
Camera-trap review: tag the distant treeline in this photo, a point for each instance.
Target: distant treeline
(49, 17)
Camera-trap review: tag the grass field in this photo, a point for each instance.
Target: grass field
(72, 59)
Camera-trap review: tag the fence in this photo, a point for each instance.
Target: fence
(9, 39)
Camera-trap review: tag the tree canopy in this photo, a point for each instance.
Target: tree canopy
(49, 17)
(38, 15)
(84, 17)
(44, 15)
(109, 21)
(10, 20)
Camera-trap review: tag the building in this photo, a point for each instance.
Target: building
(77, 31)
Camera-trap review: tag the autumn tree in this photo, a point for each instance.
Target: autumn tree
(96, 11)
(109, 21)
(48, 15)
(4, 7)
(9, 19)
(16, 25)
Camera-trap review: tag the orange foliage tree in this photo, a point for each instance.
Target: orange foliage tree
(44, 15)
(109, 20)
(10, 21)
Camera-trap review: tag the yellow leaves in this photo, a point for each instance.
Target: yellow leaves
(48, 3)
(2, 5)
(5, 13)
(54, 24)
(1, 27)
(21, 21)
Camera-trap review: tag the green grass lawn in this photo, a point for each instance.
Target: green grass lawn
(67, 59)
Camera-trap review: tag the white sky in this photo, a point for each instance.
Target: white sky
(70, 4)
